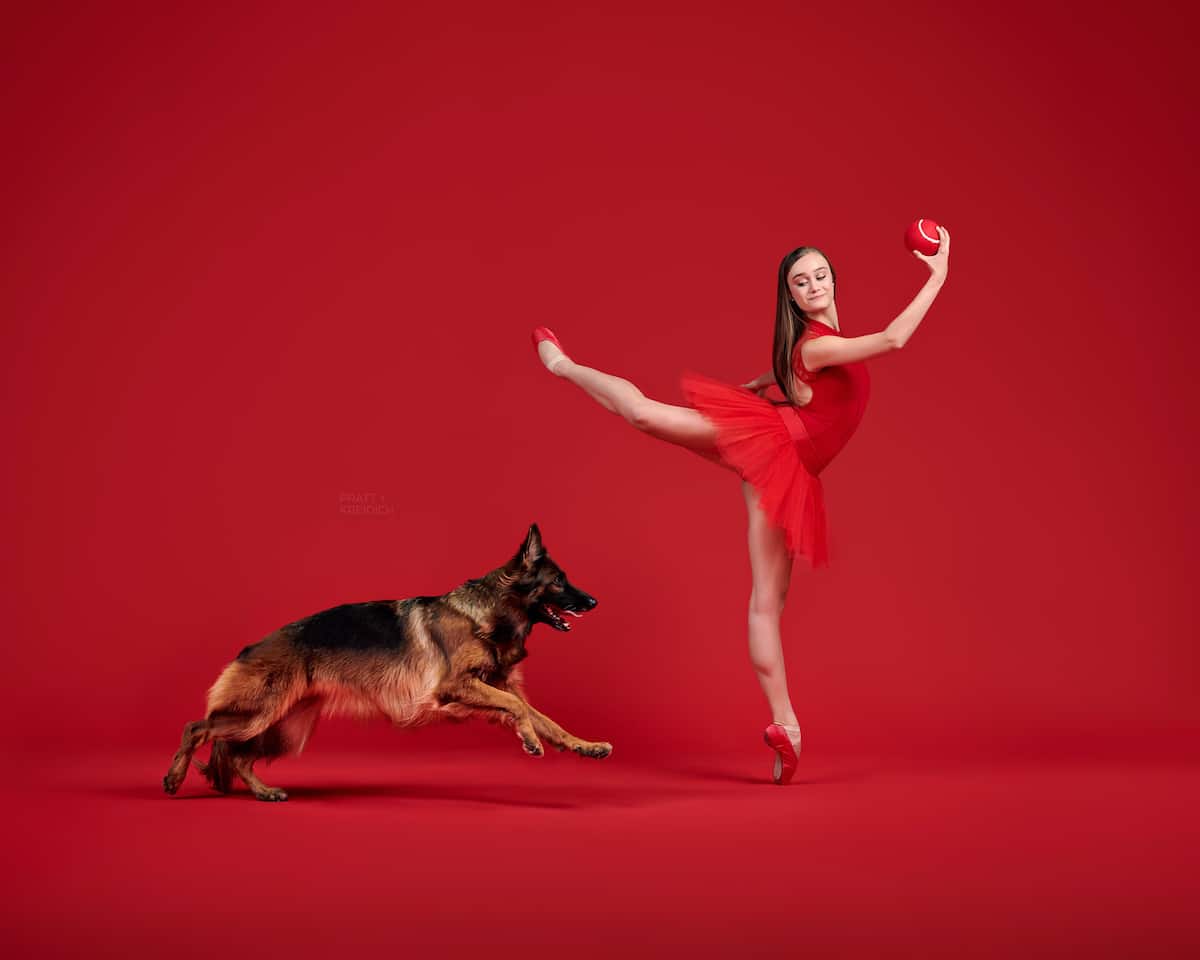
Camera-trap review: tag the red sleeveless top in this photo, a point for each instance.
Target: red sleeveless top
(839, 400)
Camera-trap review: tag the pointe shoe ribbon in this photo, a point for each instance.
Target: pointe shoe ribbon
(786, 760)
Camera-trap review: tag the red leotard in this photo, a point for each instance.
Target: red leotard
(781, 449)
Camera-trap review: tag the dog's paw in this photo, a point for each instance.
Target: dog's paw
(533, 746)
(596, 750)
(170, 784)
(271, 795)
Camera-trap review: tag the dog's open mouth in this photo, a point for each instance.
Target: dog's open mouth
(555, 616)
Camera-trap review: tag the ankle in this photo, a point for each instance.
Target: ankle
(792, 730)
(553, 358)
(560, 365)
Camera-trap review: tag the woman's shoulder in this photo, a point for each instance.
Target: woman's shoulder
(812, 330)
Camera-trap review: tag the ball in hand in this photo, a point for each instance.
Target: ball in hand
(922, 235)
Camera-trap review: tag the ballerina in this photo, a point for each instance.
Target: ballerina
(778, 448)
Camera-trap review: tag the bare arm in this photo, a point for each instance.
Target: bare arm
(830, 351)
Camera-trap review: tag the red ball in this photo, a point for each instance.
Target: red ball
(922, 235)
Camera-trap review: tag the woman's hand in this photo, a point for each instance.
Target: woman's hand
(939, 263)
(761, 384)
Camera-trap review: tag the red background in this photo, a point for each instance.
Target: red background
(259, 260)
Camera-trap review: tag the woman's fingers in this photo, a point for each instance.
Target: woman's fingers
(943, 250)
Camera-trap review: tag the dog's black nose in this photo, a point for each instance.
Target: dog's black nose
(590, 602)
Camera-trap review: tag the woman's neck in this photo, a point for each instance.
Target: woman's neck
(828, 316)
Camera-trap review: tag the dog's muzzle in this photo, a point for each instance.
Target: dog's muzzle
(556, 615)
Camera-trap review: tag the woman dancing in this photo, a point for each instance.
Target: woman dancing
(778, 448)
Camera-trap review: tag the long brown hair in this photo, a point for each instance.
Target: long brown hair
(790, 322)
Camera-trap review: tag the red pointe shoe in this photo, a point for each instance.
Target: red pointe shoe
(545, 333)
(786, 759)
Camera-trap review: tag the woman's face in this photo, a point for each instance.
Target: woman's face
(810, 283)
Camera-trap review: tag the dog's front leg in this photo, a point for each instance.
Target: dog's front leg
(560, 738)
(550, 731)
(473, 692)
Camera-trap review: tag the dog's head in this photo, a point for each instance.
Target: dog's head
(543, 586)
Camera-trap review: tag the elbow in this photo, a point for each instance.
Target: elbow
(895, 341)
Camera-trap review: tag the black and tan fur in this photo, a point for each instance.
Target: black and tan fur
(413, 661)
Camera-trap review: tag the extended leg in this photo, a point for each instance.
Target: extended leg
(559, 738)
(679, 425)
(473, 692)
(547, 729)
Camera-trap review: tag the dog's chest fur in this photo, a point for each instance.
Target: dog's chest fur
(503, 643)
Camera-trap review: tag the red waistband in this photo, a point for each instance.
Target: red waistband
(800, 437)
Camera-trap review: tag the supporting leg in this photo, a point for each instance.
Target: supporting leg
(243, 764)
(771, 569)
(219, 725)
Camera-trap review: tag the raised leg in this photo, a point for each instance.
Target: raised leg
(682, 426)
(473, 692)
(195, 735)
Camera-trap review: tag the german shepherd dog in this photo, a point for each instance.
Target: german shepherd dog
(413, 661)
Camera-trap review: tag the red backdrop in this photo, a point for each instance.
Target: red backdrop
(261, 264)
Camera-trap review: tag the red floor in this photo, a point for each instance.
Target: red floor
(489, 852)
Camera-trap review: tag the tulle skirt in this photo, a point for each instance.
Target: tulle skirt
(768, 446)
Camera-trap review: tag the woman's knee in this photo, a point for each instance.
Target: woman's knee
(767, 603)
(640, 413)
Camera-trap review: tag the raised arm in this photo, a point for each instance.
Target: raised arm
(831, 351)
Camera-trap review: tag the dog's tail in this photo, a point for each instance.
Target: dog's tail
(219, 769)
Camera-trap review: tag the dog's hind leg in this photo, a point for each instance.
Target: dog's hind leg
(247, 705)
(195, 734)
(288, 735)
(217, 726)
(243, 765)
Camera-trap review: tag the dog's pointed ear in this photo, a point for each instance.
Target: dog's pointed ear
(531, 550)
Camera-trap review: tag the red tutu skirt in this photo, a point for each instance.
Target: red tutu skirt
(767, 446)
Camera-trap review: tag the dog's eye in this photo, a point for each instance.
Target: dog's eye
(559, 581)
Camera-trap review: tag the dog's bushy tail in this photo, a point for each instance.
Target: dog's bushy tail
(219, 769)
